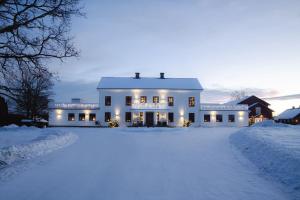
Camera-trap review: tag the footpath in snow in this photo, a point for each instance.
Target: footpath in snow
(275, 150)
(151, 164)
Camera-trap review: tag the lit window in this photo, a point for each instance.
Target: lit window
(192, 117)
(155, 99)
(92, 117)
(128, 116)
(81, 117)
(206, 118)
(231, 118)
(191, 101)
(219, 118)
(143, 99)
(71, 117)
(107, 100)
(170, 101)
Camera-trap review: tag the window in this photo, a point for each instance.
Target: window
(81, 117)
(191, 101)
(128, 100)
(231, 118)
(219, 118)
(170, 101)
(71, 117)
(192, 117)
(107, 116)
(107, 100)
(128, 116)
(171, 117)
(258, 110)
(92, 117)
(206, 118)
(155, 99)
(143, 99)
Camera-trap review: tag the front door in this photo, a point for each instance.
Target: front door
(149, 118)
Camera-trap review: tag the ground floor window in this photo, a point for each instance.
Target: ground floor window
(231, 118)
(71, 117)
(192, 117)
(92, 117)
(107, 116)
(81, 117)
(219, 118)
(171, 117)
(206, 118)
(128, 116)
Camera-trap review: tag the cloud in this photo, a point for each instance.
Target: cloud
(286, 97)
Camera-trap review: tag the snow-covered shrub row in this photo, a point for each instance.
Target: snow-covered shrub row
(275, 150)
(50, 140)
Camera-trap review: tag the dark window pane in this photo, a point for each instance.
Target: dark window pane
(192, 117)
(170, 101)
(171, 117)
(71, 117)
(219, 118)
(128, 116)
(231, 118)
(107, 100)
(81, 117)
(92, 117)
(128, 100)
(107, 116)
(206, 118)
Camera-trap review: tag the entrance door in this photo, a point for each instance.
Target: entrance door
(149, 118)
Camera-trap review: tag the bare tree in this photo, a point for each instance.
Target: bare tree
(238, 94)
(33, 32)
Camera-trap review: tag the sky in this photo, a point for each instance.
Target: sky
(251, 45)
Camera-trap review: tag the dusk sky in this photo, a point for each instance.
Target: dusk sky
(227, 44)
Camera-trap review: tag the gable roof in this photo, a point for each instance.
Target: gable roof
(289, 113)
(149, 83)
(247, 100)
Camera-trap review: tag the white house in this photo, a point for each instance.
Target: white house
(145, 101)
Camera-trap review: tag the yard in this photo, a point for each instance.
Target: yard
(132, 163)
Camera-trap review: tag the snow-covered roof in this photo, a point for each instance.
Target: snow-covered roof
(149, 83)
(289, 113)
(237, 101)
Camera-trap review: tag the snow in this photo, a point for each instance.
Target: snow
(289, 113)
(141, 163)
(275, 150)
(149, 83)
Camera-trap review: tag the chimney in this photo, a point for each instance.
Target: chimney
(162, 75)
(137, 75)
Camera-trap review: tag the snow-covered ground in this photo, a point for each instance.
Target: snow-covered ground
(275, 150)
(140, 163)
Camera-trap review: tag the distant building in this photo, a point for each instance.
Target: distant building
(147, 101)
(258, 109)
(289, 116)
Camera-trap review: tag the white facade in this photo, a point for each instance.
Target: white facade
(135, 101)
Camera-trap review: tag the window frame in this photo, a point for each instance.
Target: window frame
(107, 116)
(192, 101)
(170, 119)
(81, 117)
(229, 118)
(155, 97)
(192, 116)
(128, 100)
(91, 115)
(145, 99)
(69, 117)
(209, 118)
(219, 120)
(128, 114)
(170, 103)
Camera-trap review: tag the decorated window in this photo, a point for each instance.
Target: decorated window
(143, 99)
(128, 100)
(191, 101)
(155, 99)
(170, 101)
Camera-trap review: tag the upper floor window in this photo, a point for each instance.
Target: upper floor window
(155, 99)
(81, 117)
(231, 118)
(107, 116)
(192, 117)
(219, 118)
(206, 118)
(107, 100)
(92, 117)
(191, 101)
(71, 117)
(128, 100)
(258, 110)
(170, 101)
(143, 99)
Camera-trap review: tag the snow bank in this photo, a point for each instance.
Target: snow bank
(48, 141)
(275, 150)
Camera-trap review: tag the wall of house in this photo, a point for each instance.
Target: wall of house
(59, 117)
(241, 118)
(118, 107)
